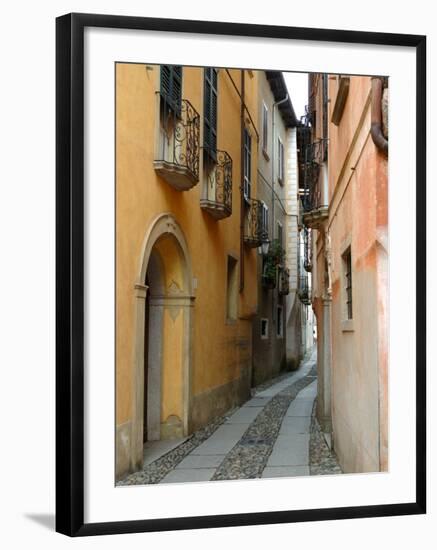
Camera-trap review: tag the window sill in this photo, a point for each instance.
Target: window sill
(347, 325)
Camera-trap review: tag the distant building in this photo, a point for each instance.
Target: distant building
(276, 269)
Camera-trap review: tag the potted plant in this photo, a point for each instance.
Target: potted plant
(273, 260)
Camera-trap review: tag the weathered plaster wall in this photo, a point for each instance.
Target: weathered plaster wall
(221, 354)
(357, 218)
(269, 354)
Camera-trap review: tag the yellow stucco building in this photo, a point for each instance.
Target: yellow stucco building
(187, 228)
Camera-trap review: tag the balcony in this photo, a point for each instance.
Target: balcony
(255, 231)
(284, 281)
(178, 144)
(314, 194)
(304, 290)
(217, 200)
(307, 249)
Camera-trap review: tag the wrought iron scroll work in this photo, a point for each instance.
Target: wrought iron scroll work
(314, 155)
(220, 180)
(255, 233)
(182, 136)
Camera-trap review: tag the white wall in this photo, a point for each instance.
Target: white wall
(27, 278)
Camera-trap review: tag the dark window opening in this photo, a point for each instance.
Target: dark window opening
(347, 259)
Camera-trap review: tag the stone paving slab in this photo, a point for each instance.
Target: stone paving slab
(295, 425)
(276, 388)
(285, 471)
(290, 451)
(201, 461)
(308, 393)
(245, 415)
(188, 475)
(257, 402)
(222, 441)
(300, 407)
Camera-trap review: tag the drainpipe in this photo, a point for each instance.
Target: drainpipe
(273, 184)
(376, 116)
(242, 207)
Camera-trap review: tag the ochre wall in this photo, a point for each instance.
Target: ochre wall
(221, 352)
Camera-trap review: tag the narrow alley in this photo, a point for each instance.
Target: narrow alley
(274, 434)
(252, 259)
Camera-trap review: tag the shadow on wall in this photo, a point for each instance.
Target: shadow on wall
(294, 353)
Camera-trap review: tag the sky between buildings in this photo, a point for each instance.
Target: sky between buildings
(297, 84)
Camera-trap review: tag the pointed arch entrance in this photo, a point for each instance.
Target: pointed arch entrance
(163, 350)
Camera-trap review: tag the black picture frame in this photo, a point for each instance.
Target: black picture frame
(70, 273)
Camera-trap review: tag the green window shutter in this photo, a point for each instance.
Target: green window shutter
(171, 86)
(265, 127)
(176, 93)
(247, 164)
(210, 111)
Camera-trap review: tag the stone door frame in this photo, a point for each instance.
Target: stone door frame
(163, 225)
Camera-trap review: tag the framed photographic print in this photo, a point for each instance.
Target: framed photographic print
(240, 274)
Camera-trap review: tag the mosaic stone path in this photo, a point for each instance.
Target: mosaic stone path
(274, 434)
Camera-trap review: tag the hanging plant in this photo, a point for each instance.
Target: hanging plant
(273, 260)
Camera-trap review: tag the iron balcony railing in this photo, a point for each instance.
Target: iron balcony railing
(255, 231)
(177, 157)
(314, 192)
(218, 193)
(284, 281)
(307, 249)
(304, 290)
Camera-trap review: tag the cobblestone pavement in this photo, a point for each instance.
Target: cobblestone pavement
(323, 460)
(274, 434)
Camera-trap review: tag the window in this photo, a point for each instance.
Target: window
(232, 289)
(279, 322)
(280, 161)
(265, 119)
(171, 87)
(247, 145)
(280, 238)
(264, 329)
(265, 220)
(347, 266)
(210, 112)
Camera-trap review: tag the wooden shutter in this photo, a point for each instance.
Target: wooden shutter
(171, 86)
(280, 160)
(210, 111)
(265, 129)
(265, 219)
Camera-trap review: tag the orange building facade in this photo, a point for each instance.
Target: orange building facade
(344, 191)
(187, 232)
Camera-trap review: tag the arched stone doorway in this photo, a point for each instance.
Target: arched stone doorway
(162, 364)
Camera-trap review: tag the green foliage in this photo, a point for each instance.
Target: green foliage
(273, 259)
